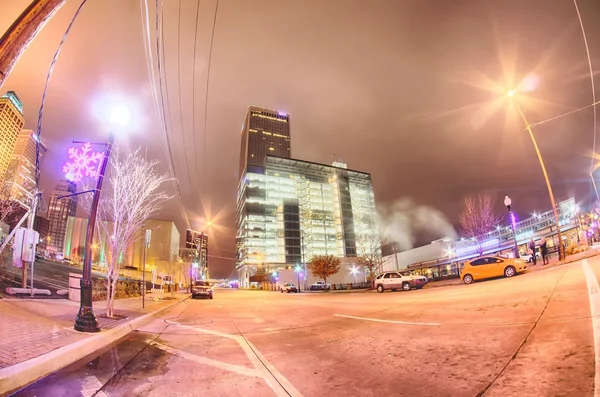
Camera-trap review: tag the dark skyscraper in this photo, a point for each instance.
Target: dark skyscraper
(59, 211)
(265, 132)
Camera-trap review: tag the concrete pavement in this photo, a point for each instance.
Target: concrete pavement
(530, 335)
(32, 332)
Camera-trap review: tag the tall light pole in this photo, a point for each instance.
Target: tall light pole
(86, 320)
(561, 252)
(513, 223)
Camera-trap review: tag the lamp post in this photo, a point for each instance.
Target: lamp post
(561, 252)
(513, 223)
(86, 320)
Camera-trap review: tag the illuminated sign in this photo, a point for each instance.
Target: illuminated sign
(84, 163)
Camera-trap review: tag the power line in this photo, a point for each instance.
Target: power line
(187, 165)
(212, 39)
(48, 76)
(194, 84)
(587, 50)
(564, 114)
(160, 95)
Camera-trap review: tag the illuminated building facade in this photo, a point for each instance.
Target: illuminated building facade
(291, 210)
(11, 122)
(22, 167)
(59, 211)
(264, 133)
(196, 252)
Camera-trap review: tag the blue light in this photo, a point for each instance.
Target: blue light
(12, 96)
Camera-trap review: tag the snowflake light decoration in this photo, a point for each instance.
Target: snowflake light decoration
(84, 163)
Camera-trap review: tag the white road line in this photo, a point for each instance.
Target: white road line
(388, 321)
(594, 295)
(276, 381)
(208, 361)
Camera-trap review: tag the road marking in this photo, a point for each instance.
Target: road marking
(594, 295)
(388, 321)
(276, 381)
(208, 361)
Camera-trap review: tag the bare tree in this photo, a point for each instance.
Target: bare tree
(478, 217)
(323, 266)
(132, 196)
(8, 205)
(368, 252)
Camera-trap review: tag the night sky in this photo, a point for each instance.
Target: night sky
(410, 91)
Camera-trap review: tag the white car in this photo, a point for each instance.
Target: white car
(288, 287)
(320, 286)
(529, 258)
(394, 280)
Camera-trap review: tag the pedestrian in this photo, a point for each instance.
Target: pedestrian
(533, 252)
(544, 251)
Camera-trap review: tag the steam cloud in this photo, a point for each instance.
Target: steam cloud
(404, 220)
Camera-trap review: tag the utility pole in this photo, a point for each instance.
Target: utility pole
(21, 33)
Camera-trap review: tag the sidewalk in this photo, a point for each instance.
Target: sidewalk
(531, 268)
(37, 336)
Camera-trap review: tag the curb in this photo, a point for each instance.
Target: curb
(20, 375)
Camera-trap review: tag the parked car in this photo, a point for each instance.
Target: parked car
(528, 258)
(203, 289)
(394, 281)
(288, 287)
(491, 266)
(320, 286)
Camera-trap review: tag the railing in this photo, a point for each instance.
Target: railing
(349, 286)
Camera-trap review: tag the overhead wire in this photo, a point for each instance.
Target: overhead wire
(187, 164)
(164, 94)
(564, 114)
(45, 92)
(194, 85)
(210, 50)
(158, 94)
(589, 59)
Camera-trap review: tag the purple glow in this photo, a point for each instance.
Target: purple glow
(84, 163)
(282, 113)
(513, 219)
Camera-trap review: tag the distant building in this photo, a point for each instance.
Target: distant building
(59, 211)
(444, 258)
(265, 132)
(42, 226)
(163, 251)
(11, 122)
(196, 251)
(291, 210)
(162, 255)
(21, 169)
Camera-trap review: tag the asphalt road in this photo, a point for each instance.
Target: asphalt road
(531, 335)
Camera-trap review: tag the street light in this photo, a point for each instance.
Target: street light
(561, 253)
(513, 222)
(86, 320)
(298, 269)
(354, 271)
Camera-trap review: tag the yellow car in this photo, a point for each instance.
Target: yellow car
(491, 266)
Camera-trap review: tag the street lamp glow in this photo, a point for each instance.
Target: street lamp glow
(119, 116)
(510, 93)
(354, 270)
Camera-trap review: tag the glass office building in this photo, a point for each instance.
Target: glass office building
(265, 132)
(290, 210)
